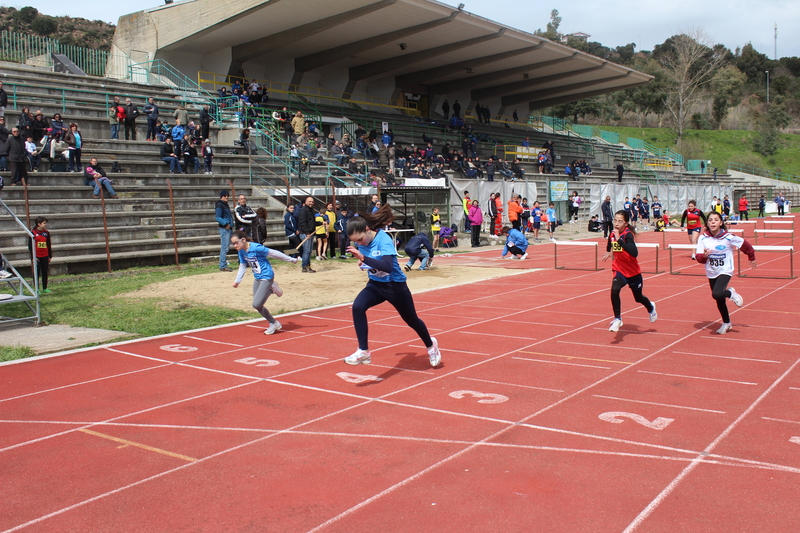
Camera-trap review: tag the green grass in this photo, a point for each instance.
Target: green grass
(88, 301)
(720, 146)
(9, 353)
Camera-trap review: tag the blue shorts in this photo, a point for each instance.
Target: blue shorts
(693, 230)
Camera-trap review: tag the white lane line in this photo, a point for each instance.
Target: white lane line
(327, 318)
(794, 388)
(641, 332)
(351, 339)
(497, 335)
(604, 345)
(445, 350)
(781, 420)
(730, 357)
(294, 353)
(510, 384)
(734, 338)
(662, 404)
(560, 363)
(697, 377)
(297, 331)
(647, 511)
(215, 342)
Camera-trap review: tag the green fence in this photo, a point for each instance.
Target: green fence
(36, 50)
(791, 178)
(587, 132)
(636, 144)
(610, 137)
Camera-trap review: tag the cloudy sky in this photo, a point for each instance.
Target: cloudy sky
(613, 23)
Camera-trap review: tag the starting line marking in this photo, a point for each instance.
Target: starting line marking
(215, 342)
(576, 357)
(697, 377)
(661, 404)
(294, 353)
(604, 345)
(780, 420)
(138, 445)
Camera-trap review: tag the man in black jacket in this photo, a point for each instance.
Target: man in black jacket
(17, 157)
(169, 157)
(131, 112)
(608, 216)
(3, 100)
(205, 122)
(307, 225)
(152, 113)
(491, 210)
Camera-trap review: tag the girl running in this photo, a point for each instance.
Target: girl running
(257, 257)
(691, 221)
(377, 255)
(715, 250)
(622, 247)
(43, 249)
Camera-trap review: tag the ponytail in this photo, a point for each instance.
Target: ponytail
(374, 221)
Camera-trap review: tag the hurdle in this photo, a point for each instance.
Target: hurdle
(575, 243)
(741, 223)
(789, 249)
(669, 230)
(780, 232)
(782, 222)
(655, 246)
(691, 247)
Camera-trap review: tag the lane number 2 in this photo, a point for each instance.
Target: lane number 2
(616, 417)
(485, 397)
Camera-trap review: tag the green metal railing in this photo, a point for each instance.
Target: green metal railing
(791, 178)
(636, 144)
(160, 72)
(36, 50)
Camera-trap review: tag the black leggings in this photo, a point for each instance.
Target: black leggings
(635, 283)
(397, 294)
(476, 235)
(43, 269)
(720, 292)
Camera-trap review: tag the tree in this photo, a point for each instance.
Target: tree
(26, 15)
(44, 25)
(725, 85)
(579, 108)
(552, 27)
(626, 53)
(645, 99)
(689, 65)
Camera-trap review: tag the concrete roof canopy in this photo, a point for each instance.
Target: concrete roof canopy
(374, 47)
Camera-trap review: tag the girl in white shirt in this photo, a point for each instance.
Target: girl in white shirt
(715, 250)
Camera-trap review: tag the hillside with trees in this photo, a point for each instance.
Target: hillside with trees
(697, 85)
(69, 31)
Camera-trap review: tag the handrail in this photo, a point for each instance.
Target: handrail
(164, 71)
(791, 178)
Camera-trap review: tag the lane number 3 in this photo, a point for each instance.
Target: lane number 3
(485, 397)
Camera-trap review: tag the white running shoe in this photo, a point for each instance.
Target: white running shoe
(552, 239)
(724, 328)
(360, 357)
(653, 313)
(319, 258)
(615, 325)
(524, 256)
(275, 326)
(434, 355)
(5, 274)
(694, 258)
(736, 297)
(276, 290)
(508, 257)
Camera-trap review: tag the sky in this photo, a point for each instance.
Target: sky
(612, 22)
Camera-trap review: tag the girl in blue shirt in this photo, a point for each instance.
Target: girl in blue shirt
(377, 255)
(256, 257)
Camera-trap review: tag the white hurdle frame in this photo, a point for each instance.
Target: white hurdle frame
(767, 221)
(789, 249)
(691, 247)
(655, 246)
(778, 231)
(575, 243)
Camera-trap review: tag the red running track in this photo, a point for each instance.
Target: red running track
(539, 419)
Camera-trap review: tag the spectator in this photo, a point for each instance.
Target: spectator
(25, 123)
(131, 113)
(260, 226)
(181, 114)
(205, 122)
(245, 217)
(95, 175)
(208, 155)
(222, 213)
(43, 251)
(291, 229)
(514, 212)
(456, 109)
(306, 224)
(620, 171)
(342, 218)
(190, 158)
(594, 224)
(446, 109)
(177, 133)
(34, 158)
(744, 207)
(152, 113)
(3, 100)
(168, 156)
(116, 114)
(475, 219)
(298, 123)
(57, 126)
(39, 126)
(4, 133)
(15, 147)
(517, 170)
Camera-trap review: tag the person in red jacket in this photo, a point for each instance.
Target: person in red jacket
(744, 207)
(43, 249)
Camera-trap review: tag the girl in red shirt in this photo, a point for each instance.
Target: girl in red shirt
(691, 221)
(622, 247)
(43, 250)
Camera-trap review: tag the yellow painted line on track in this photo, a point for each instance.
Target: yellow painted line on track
(582, 358)
(143, 446)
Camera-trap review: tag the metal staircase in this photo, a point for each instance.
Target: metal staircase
(16, 289)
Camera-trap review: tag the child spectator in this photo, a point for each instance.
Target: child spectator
(552, 220)
(33, 154)
(208, 155)
(44, 251)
